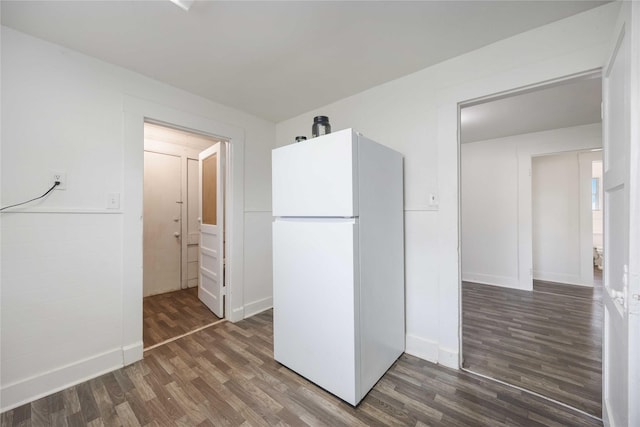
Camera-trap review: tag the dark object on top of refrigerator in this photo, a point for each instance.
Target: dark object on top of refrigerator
(320, 126)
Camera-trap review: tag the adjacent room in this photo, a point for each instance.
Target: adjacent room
(154, 273)
(173, 294)
(531, 290)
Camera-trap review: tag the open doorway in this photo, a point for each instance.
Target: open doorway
(172, 272)
(529, 318)
(597, 205)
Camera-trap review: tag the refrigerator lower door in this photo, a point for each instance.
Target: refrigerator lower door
(315, 276)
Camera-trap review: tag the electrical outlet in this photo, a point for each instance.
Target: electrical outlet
(60, 177)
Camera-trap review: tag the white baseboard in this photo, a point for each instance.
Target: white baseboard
(32, 388)
(237, 314)
(607, 420)
(490, 279)
(448, 358)
(431, 352)
(132, 353)
(256, 307)
(567, 279)
(422, 348)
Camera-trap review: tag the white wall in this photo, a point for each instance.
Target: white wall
(64, 273)
(556, 209)
(71, 283)
(496, 209)
(417, 115)
(562, 218)
(489, 212)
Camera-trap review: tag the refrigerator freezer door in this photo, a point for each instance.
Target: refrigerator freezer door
(315, 278)
(316, 178)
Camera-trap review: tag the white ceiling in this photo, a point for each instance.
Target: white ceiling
(572, 104)
(279, 59)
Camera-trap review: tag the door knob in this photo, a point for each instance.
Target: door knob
(176, 234)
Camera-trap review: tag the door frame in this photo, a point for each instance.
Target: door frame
(136, 111)
(186, 153)
(525, 258)
(528, 78)
(448, 177)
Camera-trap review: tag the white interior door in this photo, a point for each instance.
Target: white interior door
(162, 223)
(211, 283)
(620, 134)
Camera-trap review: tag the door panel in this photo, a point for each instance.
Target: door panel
(620, 350)
(210, 189)
(211, 284)
(162, 223)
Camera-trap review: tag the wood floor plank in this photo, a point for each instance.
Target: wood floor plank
(40, 412)
(106, 408)
(173, 314)
(548, 340)
(71, 401)
(226, 376)
(76, 420)
(126, 415)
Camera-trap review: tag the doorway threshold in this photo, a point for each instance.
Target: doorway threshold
(184, 335)
(533, 393)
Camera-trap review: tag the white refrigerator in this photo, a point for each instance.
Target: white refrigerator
(338, 261)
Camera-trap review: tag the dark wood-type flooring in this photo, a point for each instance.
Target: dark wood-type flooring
(173, 314)
(548, 341)
(225, 375)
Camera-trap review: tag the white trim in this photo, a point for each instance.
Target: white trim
(448, 357)
(63, 211)
(135, 112)
(493, 280)
(562, 279)
(430, 351)
(255, 307)
(43, 384)
(172, 149)
(236, 315)
(132, 353)
(562, 67)
(634, 212)
(421, 348)
(607, 420)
